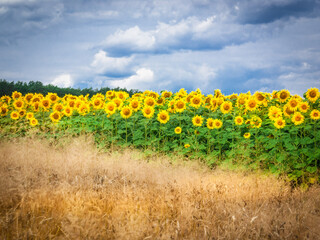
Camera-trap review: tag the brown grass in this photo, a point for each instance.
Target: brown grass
(75, 192)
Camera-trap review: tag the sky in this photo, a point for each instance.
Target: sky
(234, 46)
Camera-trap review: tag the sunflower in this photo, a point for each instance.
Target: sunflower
(256, 122)
(210, 123)
(160, 101)
(226, 107)
(55, 116)
(110, 108)
(197, 121)
(126, 112)
(45, 103)
(57, 107)
(5, 99)
(149, 101)
(187, 145)
(166, 94)
(33, 122)
(214, 103)
(287, 111)
(148, 111)
(36, 106)
(283, 95)
(84, 109)
(297, 118)
(180, 106)
(312, 94)
(118, 102)
(97, 103)
(196, 101)
(247, 135)
(29, 115)
(251, 104)
(3, 111)
(122, 95)
(279, 123)
(28, 97)
(18, 104)
(303, 107)
(16, 95)
(259, 97)
(217, 123)
(315, 114)
(53, 97)
(241, 100)
(293, 104)
(71, 103)
(238, 120)
(177, 130)
(22, 112)
(274, 113)
(110, 94)
(163, 117)
(68, 111)
(14, 115)
(135, 105)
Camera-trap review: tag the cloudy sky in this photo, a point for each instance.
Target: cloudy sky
(235, 46)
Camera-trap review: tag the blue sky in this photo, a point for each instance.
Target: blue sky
(235, 46)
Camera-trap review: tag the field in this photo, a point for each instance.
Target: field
(160, 166)
(72, 191)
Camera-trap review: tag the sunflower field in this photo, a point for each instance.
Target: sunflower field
(270, 131)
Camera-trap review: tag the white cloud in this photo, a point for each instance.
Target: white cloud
(103, 64)
(142, 80)
(63, 80)
(133, 38)
(95, 15)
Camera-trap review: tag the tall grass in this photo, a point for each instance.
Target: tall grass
(71, 191)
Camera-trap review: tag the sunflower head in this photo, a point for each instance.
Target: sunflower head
(187, 145)
(178, 130)
(55, 116)
(148, 112)
(251, 104)
(247, 135)
(218, 123)
(238, 120)
(149, 101)
(33, 122)
(18, 104)
(16, 95)
(126, 112)
(197, 121)
(279, 123)
(14, 115)
(283, 95)
(226, 107)
(303, 107)
(180, 105)
(29, 115)
(110, 108)
(163, 117)
(313, 94)
(196, 101)
(166, 94)
(315, 114)
(3, 111)
(297, 118)
(210, 123)
(135, 104)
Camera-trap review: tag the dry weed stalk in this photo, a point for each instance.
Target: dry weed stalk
(75, 192)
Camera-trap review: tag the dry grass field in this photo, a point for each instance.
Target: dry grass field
(71, 191)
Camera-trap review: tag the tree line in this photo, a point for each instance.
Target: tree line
(6, 88)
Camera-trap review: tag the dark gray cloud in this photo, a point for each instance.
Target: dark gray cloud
(260, 12)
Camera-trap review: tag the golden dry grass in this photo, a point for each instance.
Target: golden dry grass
(75, 192)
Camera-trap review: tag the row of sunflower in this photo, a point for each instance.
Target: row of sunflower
(278, 131)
